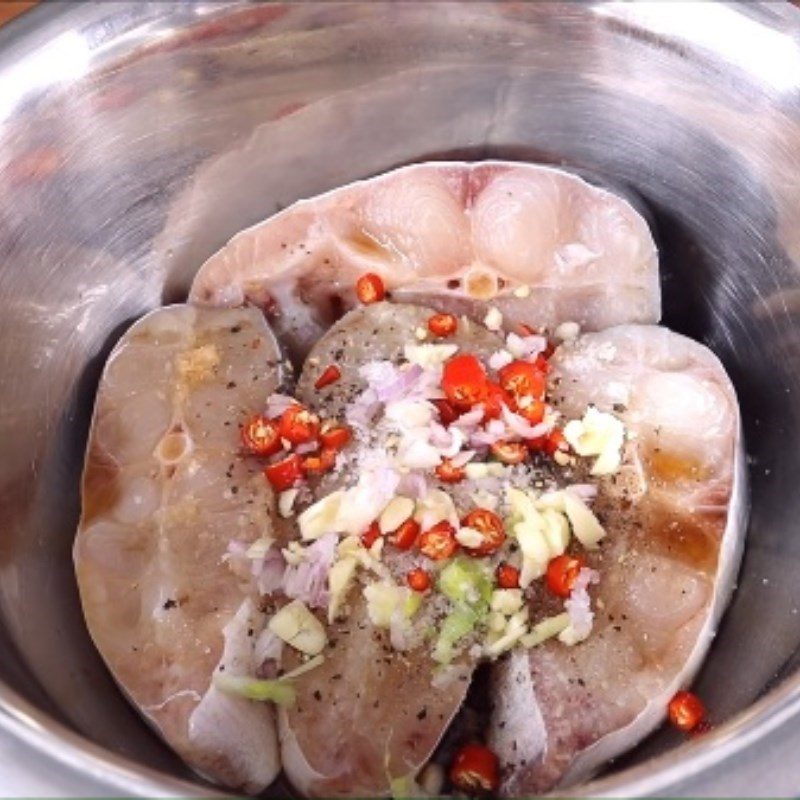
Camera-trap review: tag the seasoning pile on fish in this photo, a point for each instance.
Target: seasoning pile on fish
(494, 458)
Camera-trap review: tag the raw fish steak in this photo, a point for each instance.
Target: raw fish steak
(165, 491)
(675, 519)
(540, 244)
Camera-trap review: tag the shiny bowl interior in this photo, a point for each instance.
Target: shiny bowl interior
(135, 138)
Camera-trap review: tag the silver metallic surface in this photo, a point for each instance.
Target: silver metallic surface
(135, 138)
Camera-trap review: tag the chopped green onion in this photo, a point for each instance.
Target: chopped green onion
(279, 692)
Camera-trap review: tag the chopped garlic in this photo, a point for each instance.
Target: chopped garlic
(320, 518)
(562, 459)
(535, 551)
(429, 355)
(436, 506)
(515, 629)
(556, 531)
(489, 469)
(286, 502)
(507, 601)
(395, 514)
(351, 546)
(493, 319)
(542, 534)
(567, 331)
(383, 599)
(554, 500)
(376, 550)
(340, 579)
(522, 291)
(584, 523)
(496, 622)
(597, 434)
(299, 628)
(421, 334)
(546, 629)
(469, 537)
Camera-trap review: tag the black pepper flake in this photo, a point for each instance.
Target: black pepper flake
(317, 694)
(422, 713)
(336, 677)
(230, 385)
(234, 490)
(169, 604)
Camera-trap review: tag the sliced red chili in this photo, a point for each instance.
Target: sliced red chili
(298, 425)
(533, 411)
(562, 572)
(419, 579)
(495, 397)
(542, 364)
(324, 461)
(507, 576)
(523, 379)
(439, 542)
(464, 381)
(405, 537)
(475, 770)
(329, 375)
(447, 473)
(260, 436)
(555, 441)
(336, 437)
(490, 526)
(509, 452)
(443, 325)
(447, 414)
(284, 474)
(550, 443)
(686, 711)
(371, 535)
(370, 288)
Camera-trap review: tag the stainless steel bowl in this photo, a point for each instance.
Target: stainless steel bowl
(135, 138)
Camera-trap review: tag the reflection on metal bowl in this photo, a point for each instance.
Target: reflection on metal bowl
(138, 137)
